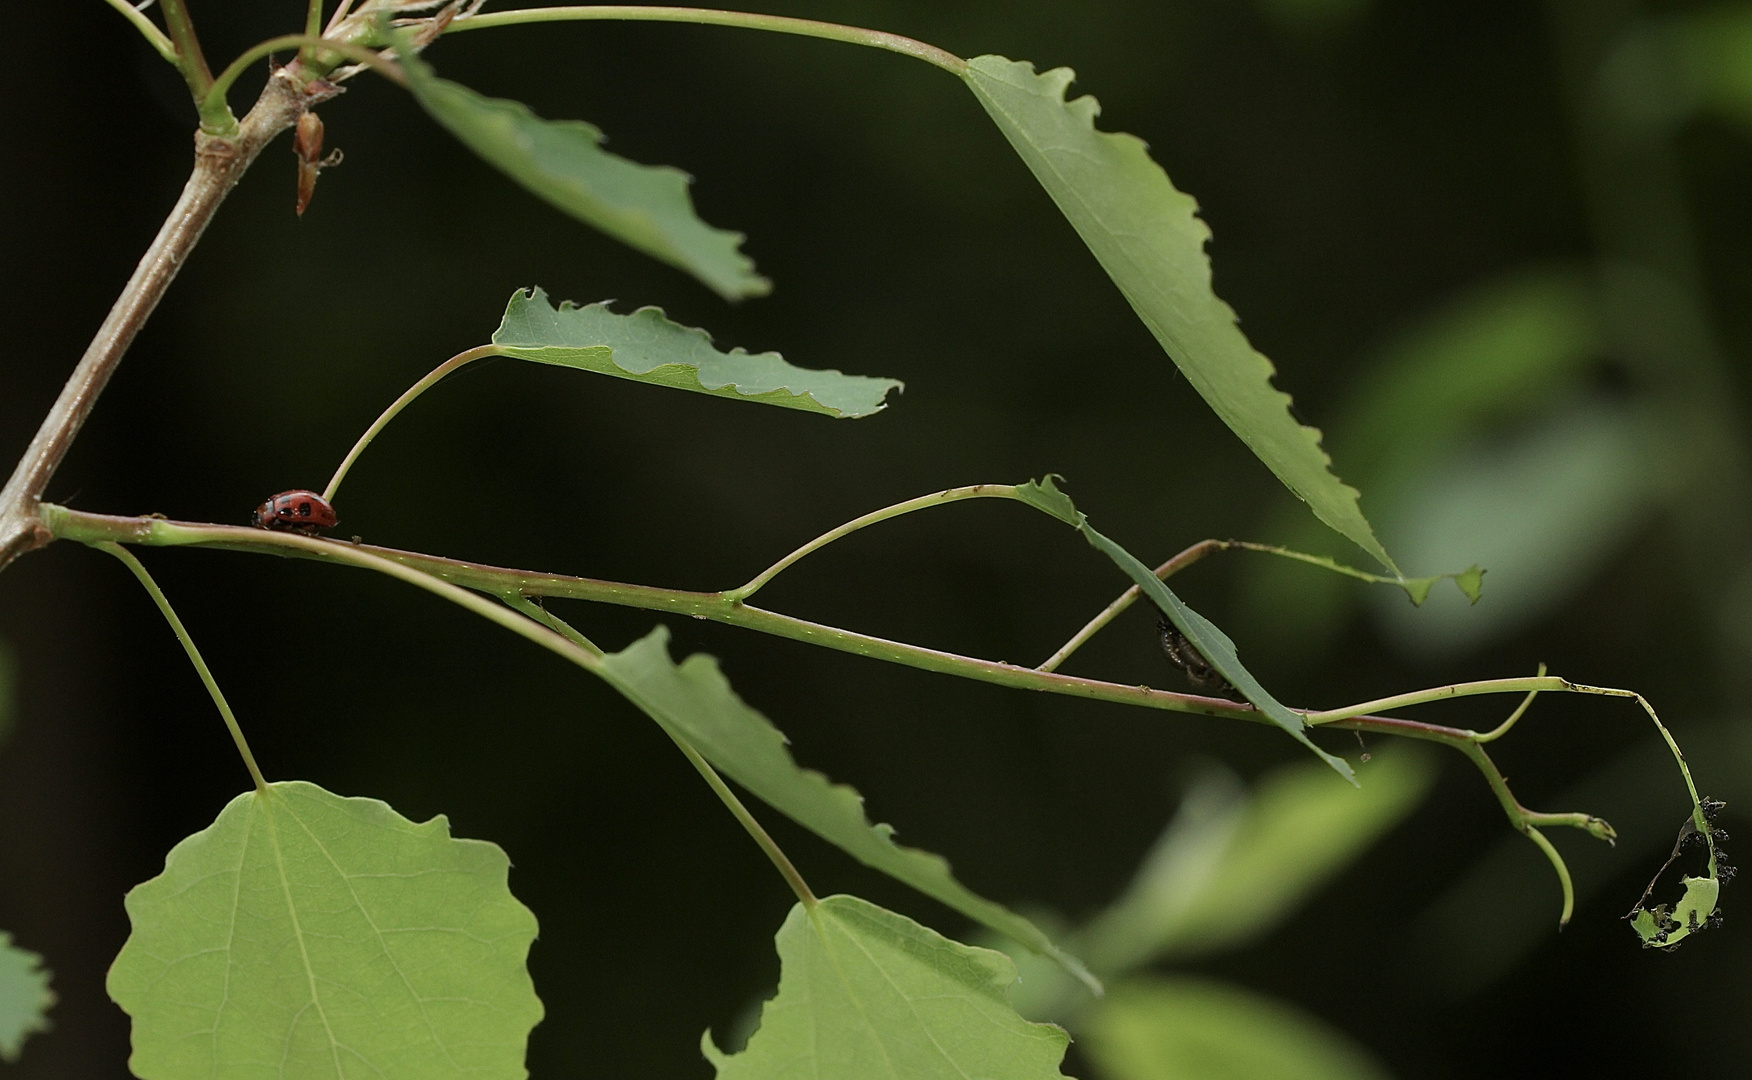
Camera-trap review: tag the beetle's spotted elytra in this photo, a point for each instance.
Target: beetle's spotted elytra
(296, 511)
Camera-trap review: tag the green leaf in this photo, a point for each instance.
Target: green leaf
(866, 994)
(305, 935)
(24, 997)
(649, 348)
(1298, 830)
(1149, 239)
(644, 206)
(1659, 928)
(1192, 1029)
(1204, 634)
(694, 702)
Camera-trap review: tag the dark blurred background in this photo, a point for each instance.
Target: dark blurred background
(1501, 252)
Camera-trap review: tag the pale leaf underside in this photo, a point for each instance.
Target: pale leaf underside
(306, 935)
(648, 347)
(866, 994)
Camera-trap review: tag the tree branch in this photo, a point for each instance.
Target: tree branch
(723, 607)
(219, 163)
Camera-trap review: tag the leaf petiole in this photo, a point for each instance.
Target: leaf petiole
(213, 102)
(740, 812)
(853, 35)
(437, 375)
(188, 644)
(1520, 710)
(763, 839)
(154, 36)
(923, 502)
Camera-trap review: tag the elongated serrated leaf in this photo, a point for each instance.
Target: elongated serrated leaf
(866, 994)
(644, 206)
(694, 702)
(1149, 239)
(1204, 634)
(306, 935)
(647, 347)
(25, 997)
(1194, 1029)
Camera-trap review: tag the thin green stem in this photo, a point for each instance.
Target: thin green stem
(783, 864)
(341, 10)
(1520, 710)
(1186, 558)
(1444, 693)
(189, 58)
(194, 653)
(1563, 874)
(761, 837)
(313, 19)
(711, 17)
(1698, 818)
(1129, 597)
(153, 35)
(215, 98)
(551, 621)
(431, 572)
(924, 502)
(437, 375)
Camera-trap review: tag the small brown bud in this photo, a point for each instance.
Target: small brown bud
(307, 144)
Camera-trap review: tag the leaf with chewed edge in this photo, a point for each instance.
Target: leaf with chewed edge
(694, 702)
(1211, 642)
(1150, 240)
(562, 161)
(648, 347)
(866, 994)
(306, 935)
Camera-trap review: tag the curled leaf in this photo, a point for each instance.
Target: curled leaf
(1663, 926)
(1214, 645)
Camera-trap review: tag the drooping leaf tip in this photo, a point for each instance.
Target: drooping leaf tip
(1471, 582)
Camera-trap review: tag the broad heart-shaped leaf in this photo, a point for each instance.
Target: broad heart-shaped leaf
(1194, 1029)
(866, 994)
(24, 997)
(647, 347)
(694, 702)
(1212, 642)
(306, 935)
(1149, 239)
(644, 206)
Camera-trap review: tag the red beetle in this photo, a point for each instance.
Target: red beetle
(295, 511)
